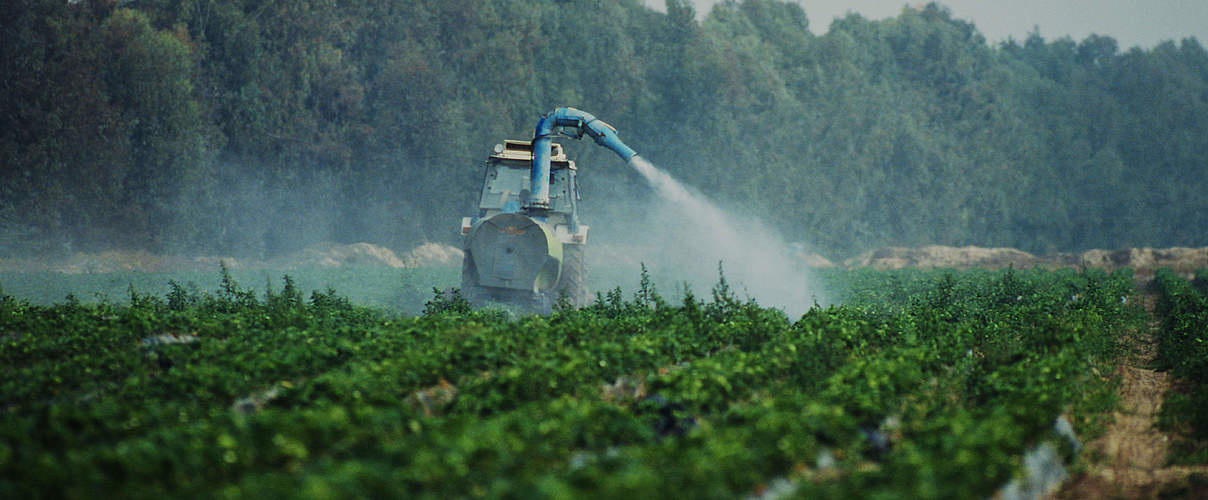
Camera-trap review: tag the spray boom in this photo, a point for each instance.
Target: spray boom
(578, 122)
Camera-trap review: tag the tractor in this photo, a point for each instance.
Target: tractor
(525, 247)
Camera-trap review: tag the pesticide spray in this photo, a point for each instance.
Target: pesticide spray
(682, 237)
(691, 235)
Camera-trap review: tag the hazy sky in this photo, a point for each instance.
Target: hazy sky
(1130, 22)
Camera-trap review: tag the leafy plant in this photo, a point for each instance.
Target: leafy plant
(1183, 349)
(447, 302)
(929, 384)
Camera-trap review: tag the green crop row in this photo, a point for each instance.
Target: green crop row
(1183, 349)
(924, 385)
(402, 290)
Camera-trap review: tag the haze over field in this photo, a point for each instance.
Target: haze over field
(681, 233)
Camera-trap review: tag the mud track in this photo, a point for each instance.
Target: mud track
(1130, 459)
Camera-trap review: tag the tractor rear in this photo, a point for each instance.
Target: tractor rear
(525, 246)
(518, 252)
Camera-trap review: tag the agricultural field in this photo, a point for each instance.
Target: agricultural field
(1183, 351)
(921, 384)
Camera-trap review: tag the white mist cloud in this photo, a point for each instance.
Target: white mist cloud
(678, 232)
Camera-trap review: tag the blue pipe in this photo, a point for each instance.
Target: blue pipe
(584, 123)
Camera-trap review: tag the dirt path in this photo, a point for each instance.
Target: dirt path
(1129, 459)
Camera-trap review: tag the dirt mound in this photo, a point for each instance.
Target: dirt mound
(370, 255)
(942, 256)
(802, 254)
(1142, 260)
(114, 261)
(814, 260)
(432, 255)
(338, 255)
(1182, 260)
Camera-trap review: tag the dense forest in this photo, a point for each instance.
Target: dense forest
(256, 127)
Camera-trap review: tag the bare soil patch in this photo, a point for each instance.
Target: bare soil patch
(1143, 261)
(943, 256)
(1130, 459)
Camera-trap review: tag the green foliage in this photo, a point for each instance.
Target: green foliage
(1201, 281)
(329, 301)
(646, 295)
(250, 121)
(231, 297)
(10, 308)
(448, 302)
(144, 301)
(1183, 349)
(180, 299)
(228, 395)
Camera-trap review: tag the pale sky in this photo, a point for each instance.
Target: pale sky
(1130, 22)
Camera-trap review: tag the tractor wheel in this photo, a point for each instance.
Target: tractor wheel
(470, 289)
(573, 284)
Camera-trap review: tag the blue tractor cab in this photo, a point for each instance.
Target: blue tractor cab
(525, 246)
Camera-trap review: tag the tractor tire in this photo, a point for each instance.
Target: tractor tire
(470, 290)
(573, 283)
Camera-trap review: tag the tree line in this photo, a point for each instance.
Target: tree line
(256, 127)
